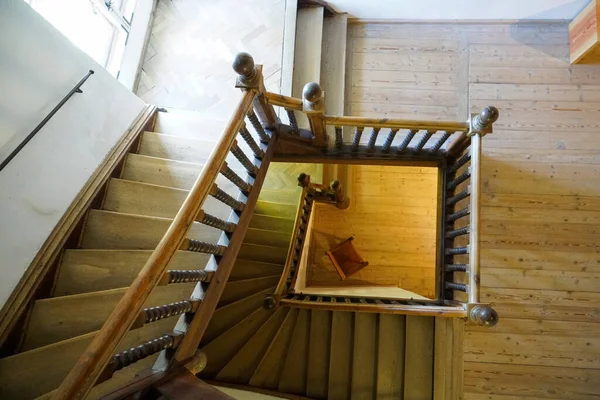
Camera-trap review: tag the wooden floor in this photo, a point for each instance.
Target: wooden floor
(188, 61)
(541, 191)
(398, 240)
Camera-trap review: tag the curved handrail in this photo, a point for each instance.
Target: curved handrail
(90, 365)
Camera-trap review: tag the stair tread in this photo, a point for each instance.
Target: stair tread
(270, 254)
(390, 356)
(270, 222)
(20, 376)
(141, 198)
(191, 124)
(161, 171)
(60, 318)
(268, 372)
(113, 230)
(418, 369)
(225, 346)
(248, 269)
(268, 237)
(237, 290)
(340, 359)
(293, 375)
(364, 356)
(318, 354)
(90, 270)
(228, 315)
(240, 368)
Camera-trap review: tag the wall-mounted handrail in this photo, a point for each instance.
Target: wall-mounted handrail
(76, 89)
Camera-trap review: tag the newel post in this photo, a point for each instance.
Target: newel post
(313, 105)
(482, 123)
(250, 77)
(341, 201)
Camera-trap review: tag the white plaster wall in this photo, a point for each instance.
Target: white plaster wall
(38, 66)
(460, 9)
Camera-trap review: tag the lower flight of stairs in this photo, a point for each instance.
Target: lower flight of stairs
(119, 237)
(321, 354)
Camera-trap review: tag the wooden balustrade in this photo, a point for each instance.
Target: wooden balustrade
(463, 184)
(98, 360)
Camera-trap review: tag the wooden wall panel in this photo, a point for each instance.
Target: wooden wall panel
(540, 252)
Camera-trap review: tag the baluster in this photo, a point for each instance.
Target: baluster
(258, 153)
(264, 138)
(462, 195)
(153, 314)
(133, 355)
(245, 161)
(438, 145)
(457, 232)
(424, 140)
(225, 198)
(202, 247)
(457, 250)
(211, 220)
(409, 136)
(455, 267)
(461, 161)
(234, 178)
(192, 275)
(338, 137)
(458, 180)
(293, 121)
(357, 135)
(461, 287)
(388, 140)
(462, 213)
(372, 140)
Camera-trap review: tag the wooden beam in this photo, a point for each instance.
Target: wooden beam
(280, 100)
(397, 123)
(406, 309)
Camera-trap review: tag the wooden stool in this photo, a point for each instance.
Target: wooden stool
(346, 259)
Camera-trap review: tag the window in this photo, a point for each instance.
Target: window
(98, 27)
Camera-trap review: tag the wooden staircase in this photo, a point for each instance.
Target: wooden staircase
(116, 241)
(321, 354)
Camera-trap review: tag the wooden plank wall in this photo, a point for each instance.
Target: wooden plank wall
(399, 239)
(541, 190)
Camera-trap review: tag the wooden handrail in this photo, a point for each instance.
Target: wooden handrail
(475, 184)
(290, 255)
(286, 102)
(397, 123)
(90, 365)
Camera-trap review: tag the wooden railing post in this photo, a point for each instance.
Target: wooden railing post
(250, 77)
(341, 201)
(313, 105)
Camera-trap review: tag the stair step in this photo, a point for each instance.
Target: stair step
(390, 357)
(275, 209)
(286, 196)
(84, 271)
(184, 149)
(340, 359)
(294, 372)
(267, 254)
(247, 269)
(364, 356)
(268, 238)
(333, 62)
(36, 372)
(318, 354)
(307, 53)
(224, 347)
(238, 290)
(240, 368)
(161, 171)
(418, 368)
(60, 318)
(111, 230)
(272, 223)
(190, 124)
(139, 198)
(227, 316)
(268, 372)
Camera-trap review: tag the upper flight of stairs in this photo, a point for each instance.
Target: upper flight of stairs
(118, 238)
(321, 354)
